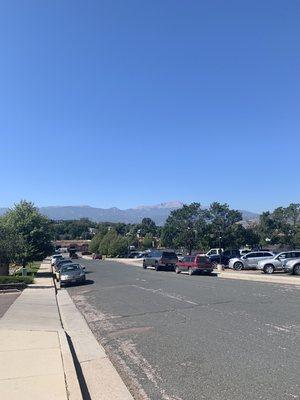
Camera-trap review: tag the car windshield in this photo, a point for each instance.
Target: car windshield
(71, 267)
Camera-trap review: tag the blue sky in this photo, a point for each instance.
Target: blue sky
(121, 103)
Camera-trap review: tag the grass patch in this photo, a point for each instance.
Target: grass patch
(32, 269)
(16, 279)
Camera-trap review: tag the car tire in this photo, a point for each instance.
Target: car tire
(238, 266)
(190, 271)
(269, 269)
(177, 270)
(296, 270)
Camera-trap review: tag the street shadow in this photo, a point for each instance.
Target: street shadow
(89, 282)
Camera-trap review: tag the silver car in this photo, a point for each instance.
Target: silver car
(278, 262)
(71, 273)
(250, 260)
(293, 266)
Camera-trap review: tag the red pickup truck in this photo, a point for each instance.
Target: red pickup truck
(194, 264)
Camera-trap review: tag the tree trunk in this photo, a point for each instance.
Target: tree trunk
(4, 268)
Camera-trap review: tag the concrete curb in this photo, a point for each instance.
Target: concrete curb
(264, 279)
(71, 379)
(98, 378)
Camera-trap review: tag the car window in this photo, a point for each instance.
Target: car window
(252, 255)
(186, 259)
(203, 259)
(297, 254)
(71, 267)
(267, 255)
(169, 254)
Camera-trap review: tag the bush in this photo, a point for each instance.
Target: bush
(16, 279)
(119, 247)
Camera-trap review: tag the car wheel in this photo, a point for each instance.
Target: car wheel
(238, 266)
(190, 271)
(268, 269)
(177, 270)
(296, 269)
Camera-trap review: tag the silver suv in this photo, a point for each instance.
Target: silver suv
(278, 262)
(293, 266)
(250, 260)
(160, 259)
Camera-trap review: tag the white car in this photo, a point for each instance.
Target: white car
(250, 260)
(293, 266)
(278, 262)
(55, 258)
(213, 252)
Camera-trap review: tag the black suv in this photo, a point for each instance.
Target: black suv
(225, 257)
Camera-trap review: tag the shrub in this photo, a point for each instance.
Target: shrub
(16, 279)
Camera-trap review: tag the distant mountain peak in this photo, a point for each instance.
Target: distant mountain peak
(158, 213)
(168, 204)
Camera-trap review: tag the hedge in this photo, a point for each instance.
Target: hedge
(16, 279)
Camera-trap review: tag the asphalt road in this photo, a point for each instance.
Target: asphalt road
(177, 337)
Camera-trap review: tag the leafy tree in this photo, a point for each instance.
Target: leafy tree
(168, 236)
(8, 247)
(148, 242)
(147, 226)
(118, 247)
(221, 219)
(95, 243)
(189, 223)
(104, 247)
(31, 230)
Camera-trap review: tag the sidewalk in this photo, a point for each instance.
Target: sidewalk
(35, 360)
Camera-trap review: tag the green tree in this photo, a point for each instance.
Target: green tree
(221, 219)
(118, 247)
(31, 230)
(147, 226)
(9, 245)
(148, 241)
(168, 236)
(189, 222)
(104, 247)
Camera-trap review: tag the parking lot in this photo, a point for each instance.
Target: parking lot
(195, 337)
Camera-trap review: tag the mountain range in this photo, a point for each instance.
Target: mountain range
(158, 213)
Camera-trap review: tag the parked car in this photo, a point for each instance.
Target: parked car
(55, 258)
(225, 257)
(59, 265)
(180, 256)
(71, 273)
(277, 263)
(97, 256)
(160, 259)
(74, 256)
(250, 260)
(194, 264)
(214, 251)
(133, 254)
(293, 266)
